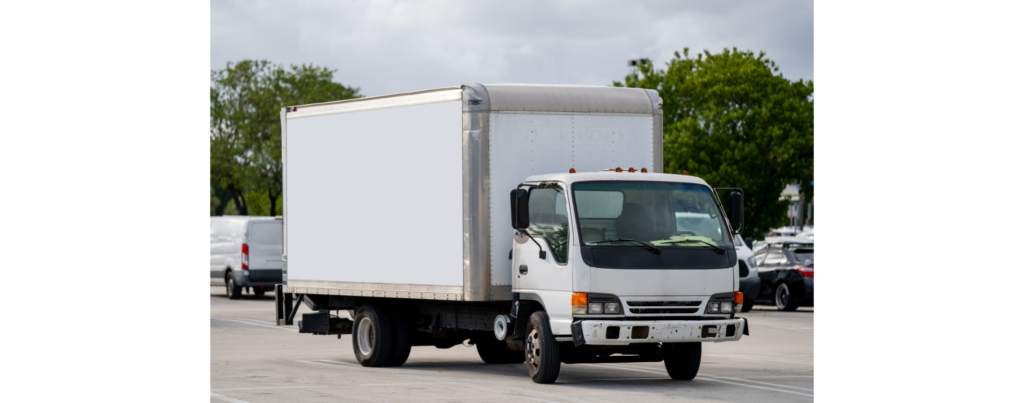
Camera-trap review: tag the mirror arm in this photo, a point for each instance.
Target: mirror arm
(543, 254)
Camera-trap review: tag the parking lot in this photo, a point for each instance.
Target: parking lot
(252, 360)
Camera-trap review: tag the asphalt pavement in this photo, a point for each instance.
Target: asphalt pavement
(252, 360)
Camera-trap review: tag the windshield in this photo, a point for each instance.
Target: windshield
(673, 215)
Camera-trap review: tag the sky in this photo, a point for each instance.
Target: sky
(387, 46)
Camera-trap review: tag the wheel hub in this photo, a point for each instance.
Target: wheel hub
(366, 335)
(533, 349)
(782, 296)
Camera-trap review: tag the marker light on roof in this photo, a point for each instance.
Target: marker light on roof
(619, 169)
(644, 170)
(572, 170)
(631, 169)
(684, 172)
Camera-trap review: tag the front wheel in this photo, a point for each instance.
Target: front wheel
(683, 361)
(784, 299)
(747, 306)
(542, 355)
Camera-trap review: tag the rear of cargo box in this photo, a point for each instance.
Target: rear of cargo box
(406, 196)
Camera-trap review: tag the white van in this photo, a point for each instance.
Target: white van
(245, 253)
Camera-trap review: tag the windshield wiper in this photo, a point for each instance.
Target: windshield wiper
(718, 249)
(654, 249)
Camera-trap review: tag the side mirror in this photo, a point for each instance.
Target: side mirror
(520, 203)
(750, 242)
(736, 211)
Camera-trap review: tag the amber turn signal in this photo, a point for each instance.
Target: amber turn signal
(738, 296)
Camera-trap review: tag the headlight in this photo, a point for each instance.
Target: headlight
(611, 307)
(727, 307)
(751, 262)
(713, 307)
(595, 307)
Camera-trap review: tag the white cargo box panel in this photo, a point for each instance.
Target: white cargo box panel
(375, 195)
(406, 196)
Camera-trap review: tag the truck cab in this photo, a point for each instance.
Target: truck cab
(621, 261)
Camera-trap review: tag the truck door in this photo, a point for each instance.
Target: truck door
(549, 225)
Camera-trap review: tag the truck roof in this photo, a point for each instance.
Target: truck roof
(559, 99)
(569, 178)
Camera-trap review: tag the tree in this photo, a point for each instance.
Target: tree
(734, 120)
(245, 122)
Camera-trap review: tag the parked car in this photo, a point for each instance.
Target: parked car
(786, 269)
(750, 283)
(245, 253)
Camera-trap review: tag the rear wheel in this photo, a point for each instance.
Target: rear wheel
(542, 355)
(372, 336)
(494, 351)
(233, 289)
(683, 361)
(784, 299)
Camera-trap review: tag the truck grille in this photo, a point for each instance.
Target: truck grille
(744, 270)
(663, 307)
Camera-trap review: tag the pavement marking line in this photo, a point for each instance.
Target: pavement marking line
(257, 324)
(608, 366)
(778, 376)
(328, 386)
(740, 379)
(763, 383)
(357, 367)
(226, 399)
(754, 357)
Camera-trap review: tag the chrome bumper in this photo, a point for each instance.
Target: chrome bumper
(599, 332)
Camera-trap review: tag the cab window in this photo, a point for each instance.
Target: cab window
(549, 219)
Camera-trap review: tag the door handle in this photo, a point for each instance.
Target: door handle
(523, 269)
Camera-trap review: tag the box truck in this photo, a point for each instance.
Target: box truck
(530, 220)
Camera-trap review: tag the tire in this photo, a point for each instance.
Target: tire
(259, 291)
(747, 306)
(784, 298)
(402, 341)
(542, 355)
(683, 361)
(233, 289)
(494, 351)
(372, 336)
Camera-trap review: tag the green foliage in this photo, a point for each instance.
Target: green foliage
(733, 120)
(259, 204)
(245, 126)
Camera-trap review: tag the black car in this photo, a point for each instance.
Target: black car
(787, 275)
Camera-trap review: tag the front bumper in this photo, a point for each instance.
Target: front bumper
(598, 332)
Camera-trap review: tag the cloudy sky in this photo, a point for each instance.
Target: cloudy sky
(387, 46)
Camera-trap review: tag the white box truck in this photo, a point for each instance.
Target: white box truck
(488, 213)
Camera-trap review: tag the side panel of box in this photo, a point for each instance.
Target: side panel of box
(376, 196)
